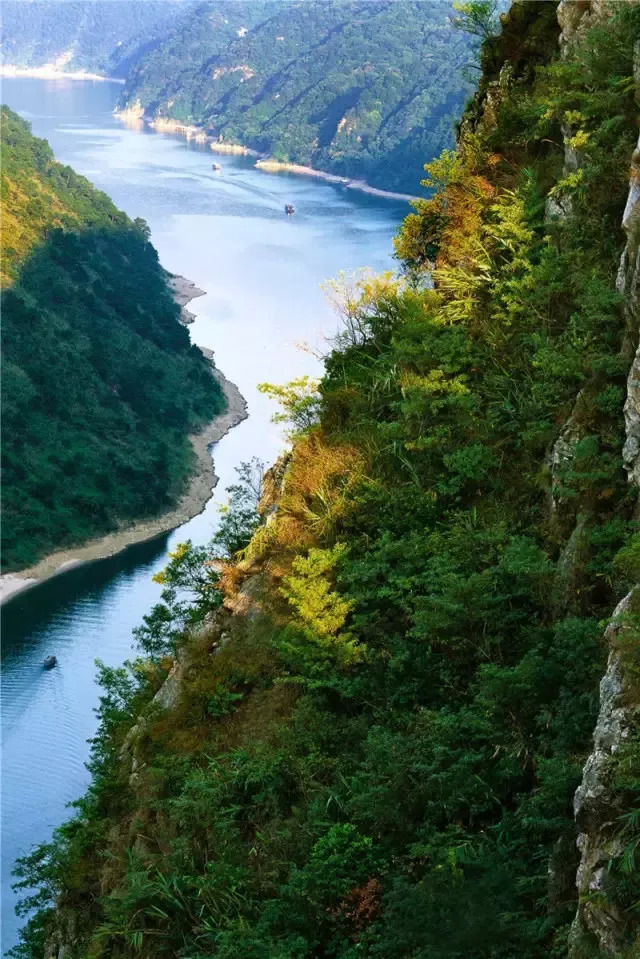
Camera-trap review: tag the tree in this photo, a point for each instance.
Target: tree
(300, 402)
(239, 516)
(478, 18)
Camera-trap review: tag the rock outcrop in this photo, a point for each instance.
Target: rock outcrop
(600, 928)
(628, 284)
(599, 921)
(574, 16)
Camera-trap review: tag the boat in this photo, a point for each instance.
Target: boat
(216, 167)
(49, 662)
(289, 209)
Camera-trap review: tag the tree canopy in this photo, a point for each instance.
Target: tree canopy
(100, 383)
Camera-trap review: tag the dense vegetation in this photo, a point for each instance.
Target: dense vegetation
(365, 90)
(100, 384)
(373, 746)
(99, 36)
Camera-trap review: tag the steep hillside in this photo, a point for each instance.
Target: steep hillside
(97, 36)
(100, 384)
(364, 734)
(365, 90)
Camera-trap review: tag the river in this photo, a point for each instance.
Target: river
(262, 272)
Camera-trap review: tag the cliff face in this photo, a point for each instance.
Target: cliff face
(629, 287)
(599, 805)
(601, 802)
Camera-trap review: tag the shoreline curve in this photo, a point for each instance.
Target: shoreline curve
(192, 502)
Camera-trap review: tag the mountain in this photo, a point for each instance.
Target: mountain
(100, 384)
(364, 90)
(364, 734)
(96, 36)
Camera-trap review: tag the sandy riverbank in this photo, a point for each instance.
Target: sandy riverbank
(192, 502)
(275, 166)
(233, 149)
(263, 162)
(50, 72)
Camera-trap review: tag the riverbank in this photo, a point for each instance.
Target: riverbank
(263, 162)
(183, 291)
(50, 72)
(192, 502)
(276, 166)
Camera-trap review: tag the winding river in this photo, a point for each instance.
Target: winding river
(262, 272)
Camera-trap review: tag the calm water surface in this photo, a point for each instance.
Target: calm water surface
(262, 272)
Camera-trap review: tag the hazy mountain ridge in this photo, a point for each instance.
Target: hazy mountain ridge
(95, 36)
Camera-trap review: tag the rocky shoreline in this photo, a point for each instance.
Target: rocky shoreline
(192, 502)
(184, 291)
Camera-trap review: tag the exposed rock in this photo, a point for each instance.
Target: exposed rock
(169, 693)
(628, 284)
(563, 451)
(60, 942)
(574, 16)
(557, 207)
(272, 487)
(570, 568)
(246, 601)
(184, 290)
(599, 926)
(631, 450)
(598, 919)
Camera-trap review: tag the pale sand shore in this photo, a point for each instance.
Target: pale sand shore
(192, 502)
(49, 72)
(263, 162)
(233, 149)
(275, 166)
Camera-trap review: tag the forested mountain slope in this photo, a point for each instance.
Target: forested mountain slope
(365, 90)
(100, 384)
(363, 735)
(97, 36)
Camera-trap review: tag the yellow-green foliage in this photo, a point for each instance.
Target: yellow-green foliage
(319, 608)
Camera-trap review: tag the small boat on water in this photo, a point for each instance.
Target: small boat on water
(216, 167)
(49, 662)
(289, 209)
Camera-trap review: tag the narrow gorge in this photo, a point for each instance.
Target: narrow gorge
(391, 710)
